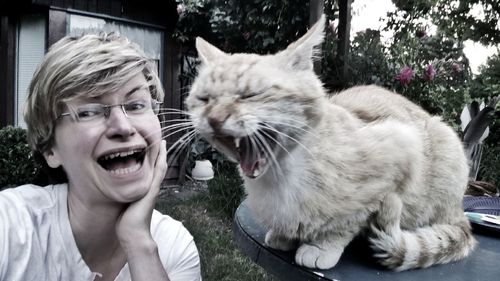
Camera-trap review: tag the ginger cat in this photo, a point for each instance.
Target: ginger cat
(318, 171)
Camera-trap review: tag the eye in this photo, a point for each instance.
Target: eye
(89, 111)
(203, 98)
(249, 95)
(135, 106)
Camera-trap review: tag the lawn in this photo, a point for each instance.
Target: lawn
(221, 260)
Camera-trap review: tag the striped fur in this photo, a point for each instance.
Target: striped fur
(418, 248)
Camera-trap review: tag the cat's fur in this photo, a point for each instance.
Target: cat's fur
(318, 171)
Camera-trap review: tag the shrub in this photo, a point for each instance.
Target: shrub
(17, 164)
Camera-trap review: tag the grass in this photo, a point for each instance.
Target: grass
(221, 259)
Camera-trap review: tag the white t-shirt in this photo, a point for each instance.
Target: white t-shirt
(37, 243)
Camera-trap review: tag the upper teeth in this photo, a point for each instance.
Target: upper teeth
(120, 154)
(237, 142)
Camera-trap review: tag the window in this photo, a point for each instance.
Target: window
(30, 52)
(149, 39)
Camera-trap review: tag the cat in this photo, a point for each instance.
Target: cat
(320, 170)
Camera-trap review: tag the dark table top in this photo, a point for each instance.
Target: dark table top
(357, 264)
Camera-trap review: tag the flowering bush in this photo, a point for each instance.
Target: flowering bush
(405, 76)
(432, 71)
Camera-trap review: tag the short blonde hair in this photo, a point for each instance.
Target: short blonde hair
(89, 65)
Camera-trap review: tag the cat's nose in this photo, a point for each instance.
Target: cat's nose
(215, 123)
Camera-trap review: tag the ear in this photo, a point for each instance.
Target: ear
(301, 53)
(52, 158)
(206, 51)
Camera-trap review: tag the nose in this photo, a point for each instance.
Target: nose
(118, 124)
(216, 121)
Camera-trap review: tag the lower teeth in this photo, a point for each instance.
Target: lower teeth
(123, 171)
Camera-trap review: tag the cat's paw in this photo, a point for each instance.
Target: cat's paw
(279, 242)
(313, 256)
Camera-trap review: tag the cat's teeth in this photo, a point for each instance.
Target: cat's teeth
(237, 142)
(256, 172)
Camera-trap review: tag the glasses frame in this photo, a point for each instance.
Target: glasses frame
(155, 106)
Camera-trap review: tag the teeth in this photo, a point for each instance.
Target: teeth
(256, 172)
(124, 171)
(237, 142)
(120, 154)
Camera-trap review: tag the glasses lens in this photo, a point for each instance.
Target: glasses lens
(137, 107)
(95, 111)
(89, 112)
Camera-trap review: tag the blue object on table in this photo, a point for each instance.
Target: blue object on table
(482, 205)
(357, 263)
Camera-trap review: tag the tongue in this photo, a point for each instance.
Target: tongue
(249, 162)
(249, 167)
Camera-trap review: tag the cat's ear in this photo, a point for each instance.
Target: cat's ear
(300, 54)
(206, 51)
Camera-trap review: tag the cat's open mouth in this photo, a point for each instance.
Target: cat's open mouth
(251, 152)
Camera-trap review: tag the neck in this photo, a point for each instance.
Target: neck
(93, 227)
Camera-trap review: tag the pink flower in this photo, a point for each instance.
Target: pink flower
(456, 67)
(430, 73)
(180, 10)
(405, 76)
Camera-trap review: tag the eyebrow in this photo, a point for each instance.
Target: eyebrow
(136, 89)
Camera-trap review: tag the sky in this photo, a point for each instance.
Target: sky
(367, 14)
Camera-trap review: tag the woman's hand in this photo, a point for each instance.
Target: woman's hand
(133, 226)
(133, 229)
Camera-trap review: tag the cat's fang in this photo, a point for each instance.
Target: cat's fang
(237, 142)
(256, 172)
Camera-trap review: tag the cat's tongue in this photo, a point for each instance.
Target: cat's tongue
(249, 164)
(249, 168)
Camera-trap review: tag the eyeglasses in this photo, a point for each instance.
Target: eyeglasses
(96, 111)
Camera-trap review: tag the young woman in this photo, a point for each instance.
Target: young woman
(92, 113)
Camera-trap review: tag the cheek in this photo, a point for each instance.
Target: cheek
(151, 130)
(79, 142)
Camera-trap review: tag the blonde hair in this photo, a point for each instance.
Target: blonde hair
(90, 65)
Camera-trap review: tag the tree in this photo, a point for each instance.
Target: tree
(477, 20)
(257, 26)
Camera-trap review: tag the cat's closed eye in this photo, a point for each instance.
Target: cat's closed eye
(249, 95)
(203, 98)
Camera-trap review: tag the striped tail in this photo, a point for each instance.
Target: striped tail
(402, 250)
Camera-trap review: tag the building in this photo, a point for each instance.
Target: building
(29, 28)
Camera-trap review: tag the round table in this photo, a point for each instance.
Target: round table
(357, 264)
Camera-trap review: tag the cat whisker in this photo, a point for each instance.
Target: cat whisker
(167, 128)
(295, 124)
(271, 128)
(293, 127)
(269, 151)
(180, 144)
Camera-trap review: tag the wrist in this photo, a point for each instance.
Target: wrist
(139, 247)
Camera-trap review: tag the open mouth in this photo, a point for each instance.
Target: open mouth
(123, 162)
(253, 153)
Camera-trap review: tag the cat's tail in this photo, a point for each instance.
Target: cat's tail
(402, 249)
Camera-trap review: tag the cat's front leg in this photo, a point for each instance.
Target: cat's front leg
(279, 242)
(322, 254)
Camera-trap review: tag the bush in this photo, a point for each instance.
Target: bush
(490, 165)
(17, 164)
